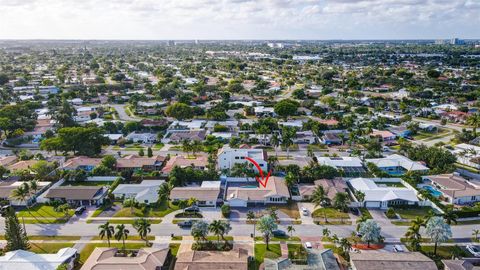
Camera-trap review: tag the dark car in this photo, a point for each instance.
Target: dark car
(185, 224)
(192, 209)
(279, 233)
(80, 210)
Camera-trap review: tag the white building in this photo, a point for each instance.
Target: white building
(351, 166)
(382, 192)
(228, 157)
(467, 154)
(26, 260)
(142, 137)
(397, 164)
(145, 192)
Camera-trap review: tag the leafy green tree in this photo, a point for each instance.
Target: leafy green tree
(200, 230)
(286, 107)
(179, 111)
(288, 133)
(413, 233)
(14, 233)
(142, 226)
(141, 152)
(106, 230)
(267, 225)
(319, 197)
(42, 168)
(109, 161)
(164, 192)
(216, 228)
(22, 193)
(449, 215)
(149, 152)
(65, 115)
(290, 180)
(290, 229)
(438, 231)
(370, 231)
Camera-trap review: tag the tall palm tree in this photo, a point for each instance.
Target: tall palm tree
(319, 198)
(476, 232)
(290, 229)
(345, 245)
(142, 226)
(106, 230)
(121, 234)
(275, 142)
(287, 138)
(450, 216)
(216, 227)
(164, 192)
(33, 186)
(22, 194)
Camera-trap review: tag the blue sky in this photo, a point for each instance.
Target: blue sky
(239, 19)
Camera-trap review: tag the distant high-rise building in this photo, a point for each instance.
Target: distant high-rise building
(456, 41)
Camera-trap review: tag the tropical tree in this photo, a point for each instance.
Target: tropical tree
(290, 229)
(370, 231)
(22, 194)
(475, 233)
(164, 192)
(15, 235)
(474, 121)
(326, 233)
(106, 230)
(34, 187)
(413, 233)
(275, 142)
(290, 179)
(345, 245)
(360, 196)
(438, 230)
(267, 225)
(449, 215)
(226, 228)
(319, 197)
(216, 227)
(200, 230)
(341, 201)
(288, 133)
(121, 234)
(142, 226)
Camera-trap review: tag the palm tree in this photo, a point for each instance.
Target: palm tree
(413, 233)
(360, 196)
(251, 218)
(474, 121)
(216, 228)
(275, 142)
(290, 229)
(121, 234)
(142, 226)
(106, 230)
(33, 186)
(287, 138)
(319, 198)
(22, 194)
(450, 216)
(345, 245)
(476, 232)
(164, 192)
(326, 233)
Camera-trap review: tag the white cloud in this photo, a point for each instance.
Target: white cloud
(237, 19)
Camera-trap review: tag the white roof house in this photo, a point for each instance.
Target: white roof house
(26, 260)
(397, 164)
(352, 166)
(145, 192)
(228, 157)
(467, 154)
(378, 194)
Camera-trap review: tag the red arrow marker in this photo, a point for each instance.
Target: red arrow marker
(264, 180)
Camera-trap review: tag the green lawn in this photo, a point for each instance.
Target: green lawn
(444, 252)
(365, 212)
(174, 249)
(160, 211)
(261, 253)
(330, 213)
(123, 221)
(48, 247)
(41, 211)
(54, 237)
(280, 239)
(412, 213)
(130, 238)
(290, 209)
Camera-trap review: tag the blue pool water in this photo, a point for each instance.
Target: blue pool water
(249, 187)
(433, 191)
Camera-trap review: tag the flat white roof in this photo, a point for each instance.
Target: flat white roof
(376, 193)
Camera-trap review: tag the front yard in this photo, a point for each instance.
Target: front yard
(329, 213)
(156, 211)
(261, 253)
(43, 214)
(412, 213)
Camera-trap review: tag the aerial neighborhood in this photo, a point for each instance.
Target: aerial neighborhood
(239, 155)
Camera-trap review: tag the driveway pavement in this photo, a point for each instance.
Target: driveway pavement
(379, 216)
(310, 208)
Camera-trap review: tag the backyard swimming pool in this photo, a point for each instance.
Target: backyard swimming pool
(433, 191)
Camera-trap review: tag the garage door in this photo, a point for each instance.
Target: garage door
(372, 204)
(237, 203)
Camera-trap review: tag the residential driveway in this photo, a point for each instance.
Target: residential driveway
(310, 207)
(379, 216)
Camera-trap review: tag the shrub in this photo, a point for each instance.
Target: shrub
(391, 213)
(225, 210)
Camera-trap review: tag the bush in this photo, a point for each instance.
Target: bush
(226, 210)
(391, 213)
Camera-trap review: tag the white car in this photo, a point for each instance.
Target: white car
(304, 211)
(474, 249)
(308, 245)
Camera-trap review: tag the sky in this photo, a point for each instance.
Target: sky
(239, 19)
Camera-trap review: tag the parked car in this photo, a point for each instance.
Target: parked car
(186, 224)
(398, 248)
(279, 233)
(192, 209)
(304, 211)
(80, 210)
(308, 245)
(474, 249)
